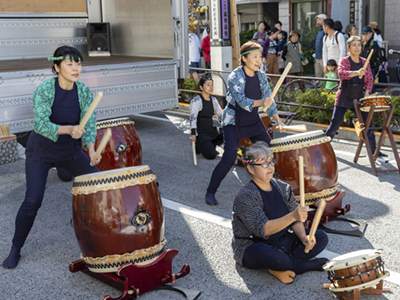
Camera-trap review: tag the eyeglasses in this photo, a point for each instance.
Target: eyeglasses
(267, 164)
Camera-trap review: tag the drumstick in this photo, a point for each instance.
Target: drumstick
(298, 128)
(367, 61)
(102, 145)
(301, 182)
(8, 129)
(194, 154)
(90, 110)
(1, 130)
(278, 85)
(317, 219)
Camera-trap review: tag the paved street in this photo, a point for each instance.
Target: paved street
(201, 233)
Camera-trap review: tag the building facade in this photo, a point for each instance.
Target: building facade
(300, 15)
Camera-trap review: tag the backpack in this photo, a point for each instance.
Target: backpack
(313, 42)
(335, 35)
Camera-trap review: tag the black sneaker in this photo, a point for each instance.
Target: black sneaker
(381, 154)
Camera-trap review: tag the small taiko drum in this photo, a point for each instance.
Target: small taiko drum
(124, 149)
(118, 218)
(268, 125)
(381, 103)
(356, 270)
(320, 165)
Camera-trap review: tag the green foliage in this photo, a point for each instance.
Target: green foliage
(189, 84)
(309, 68)
(246, 36)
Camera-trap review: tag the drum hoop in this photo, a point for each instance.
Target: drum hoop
(114, 122)
(352, 261)
(305, 142)
(361, 286)
(122, 178)
(111, 263)
(327, 195)
(377, 108)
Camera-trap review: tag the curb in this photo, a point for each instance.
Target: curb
(344, 133)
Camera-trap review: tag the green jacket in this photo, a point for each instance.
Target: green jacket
(43, 99)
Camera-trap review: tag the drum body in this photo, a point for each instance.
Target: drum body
(381, 103)
(118, 218)
(320, 165)
(124, 149)
(356, 270)
(268, 125)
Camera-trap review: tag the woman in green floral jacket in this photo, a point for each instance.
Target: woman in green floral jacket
(59, 105)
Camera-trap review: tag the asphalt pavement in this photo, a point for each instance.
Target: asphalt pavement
(201, 233)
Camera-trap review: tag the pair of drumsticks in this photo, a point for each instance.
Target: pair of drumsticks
(5, 130)
(107, 135)
(321, 204)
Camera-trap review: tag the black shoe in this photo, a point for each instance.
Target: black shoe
(13, 258)
(210, 199)
(381, 154)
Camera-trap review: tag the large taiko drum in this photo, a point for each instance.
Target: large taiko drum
(320, 165)
(356, 270)
(268, 125)
(124, 149)
(381, 103)
(118, 218)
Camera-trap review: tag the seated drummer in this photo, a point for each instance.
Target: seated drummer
(266, 228)
(202, 108)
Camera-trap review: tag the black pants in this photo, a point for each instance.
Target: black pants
(337, 118)
(36, 178)
(262, 255)
(207, 147)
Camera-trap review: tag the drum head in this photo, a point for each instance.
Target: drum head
(299, 141)
(113, 122)
(352, 259)
(112, 179)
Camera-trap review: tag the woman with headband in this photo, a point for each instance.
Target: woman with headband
(352, 87)
(266, 222)
(59, 105)
(248, 89)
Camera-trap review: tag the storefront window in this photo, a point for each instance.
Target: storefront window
(303, 19)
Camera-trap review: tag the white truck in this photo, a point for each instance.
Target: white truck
(149, 47)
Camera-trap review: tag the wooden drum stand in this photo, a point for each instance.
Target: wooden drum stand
(355, 294)
(135, 280)
(386, 130)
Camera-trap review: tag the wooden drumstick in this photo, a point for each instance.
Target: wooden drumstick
(278, 85)
(194, 154)
(301, 183)
(317, 219)
(1, 130)
(90, 110)
(367, 61)
(298, 128)
(8, 129)
(102, 145)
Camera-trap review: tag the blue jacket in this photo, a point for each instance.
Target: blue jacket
(319, 44)
(236, 95)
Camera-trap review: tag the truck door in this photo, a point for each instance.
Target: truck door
(181, 43)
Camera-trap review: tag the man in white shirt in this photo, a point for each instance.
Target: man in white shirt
(194, 55)
(334, 44)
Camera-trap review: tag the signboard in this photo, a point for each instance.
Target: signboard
(352, 12)
(220, 23)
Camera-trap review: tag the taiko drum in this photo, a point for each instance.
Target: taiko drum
(124, 149)
(320, 165)
(381, 103)
(118, 218)
(356, 270)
